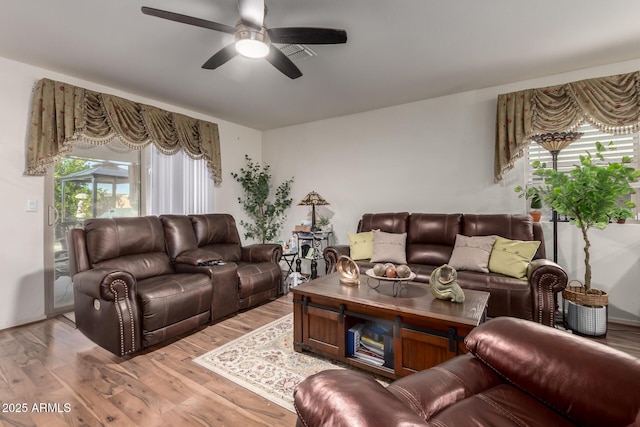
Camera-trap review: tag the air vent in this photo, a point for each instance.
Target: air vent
(297, 52)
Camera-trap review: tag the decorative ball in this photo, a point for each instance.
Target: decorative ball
(403, 271)
(379, 270)
(391, 272)
(389, 265)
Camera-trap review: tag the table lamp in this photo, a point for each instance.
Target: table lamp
(313, 199)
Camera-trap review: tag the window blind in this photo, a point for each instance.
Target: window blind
(626, 145)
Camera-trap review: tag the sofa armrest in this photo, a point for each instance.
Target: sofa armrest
(196, 257)
(349, 399)
(431, 391)
(331, 255)
(546, 279)
(106, 309)
(106, 284)
(264, 252)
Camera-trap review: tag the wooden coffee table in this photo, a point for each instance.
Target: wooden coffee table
(424, 331)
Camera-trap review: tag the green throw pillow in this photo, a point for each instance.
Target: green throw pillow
(512, 257)
(361, 245)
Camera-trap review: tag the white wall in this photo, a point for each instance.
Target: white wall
(437, 156)
(22, 248)
(428, 156)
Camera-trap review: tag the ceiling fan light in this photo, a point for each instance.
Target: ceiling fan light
(252, 48)
(250, 42)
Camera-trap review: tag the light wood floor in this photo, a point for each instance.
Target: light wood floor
(52, 362)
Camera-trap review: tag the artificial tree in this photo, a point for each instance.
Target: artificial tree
(267, 216)
(590, 194)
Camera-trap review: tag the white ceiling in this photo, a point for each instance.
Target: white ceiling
(397, 51)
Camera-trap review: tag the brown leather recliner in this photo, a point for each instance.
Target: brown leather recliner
(128, 295)
(517, 373)
(139, 281)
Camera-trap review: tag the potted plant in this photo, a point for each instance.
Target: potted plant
(620, 214)
(268, 216)
(323, 223)
(589, 195)
(536, 206)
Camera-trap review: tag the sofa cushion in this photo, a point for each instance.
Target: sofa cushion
(171, 298)
(217, 233)
(389, 247)
(257, 277)
(360, 245)
(512, 257)
(390, 222)
(515, 227)
(178, 232)
(472, 253)
(431, 237)
(136, 245)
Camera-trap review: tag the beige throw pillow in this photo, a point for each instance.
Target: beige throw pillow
(389, 247)
(472, 253)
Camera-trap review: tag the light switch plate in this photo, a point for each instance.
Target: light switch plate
(32, 205)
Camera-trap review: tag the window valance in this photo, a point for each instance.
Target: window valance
(611, 104)
(64, 114)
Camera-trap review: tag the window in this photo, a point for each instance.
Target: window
(626, 145)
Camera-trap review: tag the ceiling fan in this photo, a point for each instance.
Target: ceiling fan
(252, 37)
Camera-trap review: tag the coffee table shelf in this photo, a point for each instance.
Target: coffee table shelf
(426, 331)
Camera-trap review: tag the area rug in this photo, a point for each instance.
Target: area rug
(264, 362)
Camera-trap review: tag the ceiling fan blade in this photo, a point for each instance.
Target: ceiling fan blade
(307, 35)
(220, 57)
(282, 63)
(252, 12)
(203, 23)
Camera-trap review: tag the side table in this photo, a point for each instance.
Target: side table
(289, 258)
(317, 240)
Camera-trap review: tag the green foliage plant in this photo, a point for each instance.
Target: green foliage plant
(323, 221)
(536, 201)
(72, 188)
(589, 195)
(267, 216)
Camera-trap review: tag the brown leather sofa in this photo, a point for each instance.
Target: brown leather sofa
(517, 373)
(430, 242)
(140, 281)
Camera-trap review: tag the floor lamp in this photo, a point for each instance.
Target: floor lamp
(554, 143)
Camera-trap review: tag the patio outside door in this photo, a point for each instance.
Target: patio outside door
(90, 182)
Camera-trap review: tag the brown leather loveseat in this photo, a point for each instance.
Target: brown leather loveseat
(140, 281)
(430, 242)
(517, 373)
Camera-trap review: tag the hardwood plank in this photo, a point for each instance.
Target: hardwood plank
(51, 362)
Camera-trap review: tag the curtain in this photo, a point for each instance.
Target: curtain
(611, 104)
(63, 114)
(179, 185)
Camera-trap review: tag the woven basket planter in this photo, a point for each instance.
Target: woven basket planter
(579, 295)
(586, 313)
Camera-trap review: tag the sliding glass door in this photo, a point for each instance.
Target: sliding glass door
(93, 181)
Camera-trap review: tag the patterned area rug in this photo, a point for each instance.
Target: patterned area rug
(264, 362)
